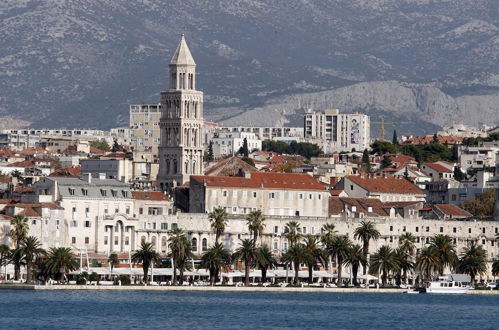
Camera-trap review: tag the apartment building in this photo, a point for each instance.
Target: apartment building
(144, 131)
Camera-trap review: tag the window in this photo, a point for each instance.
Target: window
(114, 193)
(441, 229)
(391, 239)
(483, 230)
(271, 195)
(103, 192)
(74, 223)
(127, 240)
(300, 196)
(469, 230)
(417, 229)
(174, 226)
(254, 194)
(304, 230)
(417, 239)
(276, 245)
(204, 244)
(403, 228)
(73, 240)
(391, 228)
(319, 196)
(224, 193)
(84, 192)
(87, 224)
(87, 240)
(105, 240)
(427, 229)
(276, 229)
(116, 240)
(310, 196)
(194, 244)
(483, 242)
(33, 222)
(141, 210)
(164, 226)
(127, 210)
(71, 191)
(87, 212)
(454, 229)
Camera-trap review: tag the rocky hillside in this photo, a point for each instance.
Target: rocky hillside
(81, 62)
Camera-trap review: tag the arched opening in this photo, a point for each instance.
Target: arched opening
(153, 242)
(194, 244)
(163, 244)
(175, 169)
(204, 244)
(142, 239)
(186, 167)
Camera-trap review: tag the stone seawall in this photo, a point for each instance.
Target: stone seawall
(216, 289)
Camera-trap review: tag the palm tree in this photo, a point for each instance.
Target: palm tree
(296, 255)
(365, 232)
(328, 231)
(4, 254)
(340, 249)
(31, 248)
(495, 267)
(181, 250)
(314, 254)
(445, 251)
(17, 258)
(292, 232)
(218, 219)
(113, 261)
(264, 260)
(215, 258)
(404, 262)
(384, 262)
(355, 259)
(406, 243)
(247, 254)
(59, 261)
(473, 261)
(256, 223)
(427, 262)
(145, 255)
(19, 229)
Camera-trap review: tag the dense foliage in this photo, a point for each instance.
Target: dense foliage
(424, 153)
(304, 149)
(482, 205)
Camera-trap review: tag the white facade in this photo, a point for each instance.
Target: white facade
(270, 133)
(337, 132)
(119, 169)
(485, 155)
(225, 143)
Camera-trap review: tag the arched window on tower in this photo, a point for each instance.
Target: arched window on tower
(175, 169)
(204, 244)
(194, 244)
(181, 81)
(186, 168)
(194, 169)
(168, 166)
(191, 81)
(174, 81)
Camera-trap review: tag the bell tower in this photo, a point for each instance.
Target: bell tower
(181, 124)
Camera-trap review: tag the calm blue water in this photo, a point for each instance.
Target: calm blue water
(195, 310)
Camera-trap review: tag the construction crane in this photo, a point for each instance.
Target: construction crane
(382, 124)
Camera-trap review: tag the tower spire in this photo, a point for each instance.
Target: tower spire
(182, 55)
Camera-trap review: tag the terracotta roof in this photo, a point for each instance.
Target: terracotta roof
(4, 179)
(267, 180)
(335, 192)
(232, 166)
(94, 150)
(149, 196)
(52, 206)
(438, 167)
(421, 140)
(337, 206)
(400, 204)
(400, 158)
(30, 212)
(4, 152)
(71, 172)
(31, 151)
(387, 185)
(452, 210)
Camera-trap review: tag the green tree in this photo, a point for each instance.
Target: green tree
(116, 147)
(365, 232)
(256, 223)
(4, 255)
(18, 175)
(146, 256)
(314, 254)
(328, 231)
(59, 261)
(244, 151)
(395, 139)
(113, 261)
(458, 174)
(218, 218)
(264, 260)
(495, 267)
(383, 147)
(180, 248)
(366, 163)
(32, 249)
(17, 258)
(248, 161)
(383, 262)
(100, 144)
(445, 251)
(215, 258)
(355, 259)
(404, 263)
(455, 153)
(210, 156)
(406, 245)
(247, 253)
(427, 262)
(296, 255)
(482, 205)
(386, 162)
(292, 232)
(473, 261)
(19, 229)
(340, 248)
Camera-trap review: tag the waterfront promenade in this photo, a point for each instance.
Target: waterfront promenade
(215, 289)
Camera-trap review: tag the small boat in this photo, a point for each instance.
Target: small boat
(450, 284)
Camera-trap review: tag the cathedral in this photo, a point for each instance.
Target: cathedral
(181, 124)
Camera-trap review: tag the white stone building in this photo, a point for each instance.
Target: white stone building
(228, 143)
(337, 132)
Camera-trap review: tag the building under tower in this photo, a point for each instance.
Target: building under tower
(181, 124)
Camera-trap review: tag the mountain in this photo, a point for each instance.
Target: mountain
(421, 63)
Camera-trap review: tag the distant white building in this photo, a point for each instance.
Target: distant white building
(228, 143)
(286, 134)
(336, 132)
(484, 155)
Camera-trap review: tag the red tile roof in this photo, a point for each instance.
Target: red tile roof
(266, 180)
(387, 185)
(438, 167)
(337, 206)
(452, 210)
(232, 166)
(421, 140)
(149, 196)
(94, 150)
(36, 205)
(32, 151)
(71, 172)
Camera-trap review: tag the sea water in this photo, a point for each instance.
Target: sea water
(244, 310)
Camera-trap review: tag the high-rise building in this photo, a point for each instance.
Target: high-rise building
(144, 131)
(336, 132)
(181, 124)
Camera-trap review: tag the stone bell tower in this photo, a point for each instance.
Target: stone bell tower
(181, 124)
